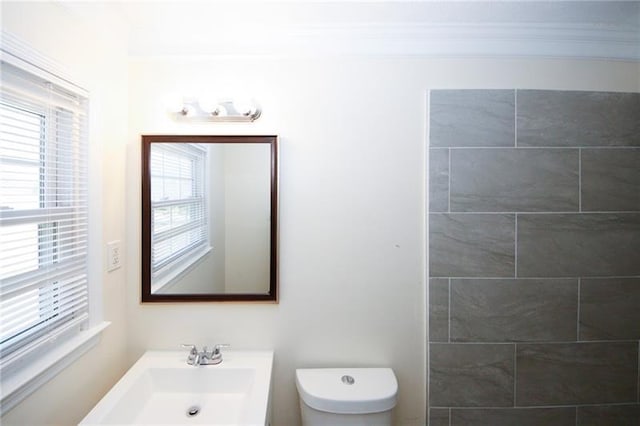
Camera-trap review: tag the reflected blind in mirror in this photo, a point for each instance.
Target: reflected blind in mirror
(178, 204)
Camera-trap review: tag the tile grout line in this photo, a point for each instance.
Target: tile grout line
(449, 311)
(515, 375)
(449, 416)
(537, 342)
(427, 272)
(538, 277)
(515, 249)
(515, 118)
(531, 407)
(541, 213)
(580, 180)
(578, 310)
(552, 147)
(449, 183)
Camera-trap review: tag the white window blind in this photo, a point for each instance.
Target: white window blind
(178, 204)
(43, 213)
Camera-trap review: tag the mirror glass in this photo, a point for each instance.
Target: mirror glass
(209, 218)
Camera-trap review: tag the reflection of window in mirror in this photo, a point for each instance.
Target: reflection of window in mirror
(179, 224)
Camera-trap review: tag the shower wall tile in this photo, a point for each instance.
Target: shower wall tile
(534, 254)
(563, 416)
(489, 310)
(576, 373)
(570, 118)
(438, 310)
(611, 179)
(467, 375)
(610, 309)
(472, 118)
(471, 245)
(514, 180)
(562, 245)
(618, 415)
(439, 417)
(438, 180)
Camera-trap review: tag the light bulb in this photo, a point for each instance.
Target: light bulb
(209, 104)
(187, 110)
(244, 107)
(219, 111)
(174, 103)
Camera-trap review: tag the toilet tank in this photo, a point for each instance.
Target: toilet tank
(346, 396)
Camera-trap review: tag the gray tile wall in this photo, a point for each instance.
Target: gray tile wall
(534, 258)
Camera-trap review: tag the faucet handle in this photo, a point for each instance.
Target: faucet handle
(193, 348)
(193, 358)
(217, 347)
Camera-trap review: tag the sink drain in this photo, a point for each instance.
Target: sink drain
(193, 411)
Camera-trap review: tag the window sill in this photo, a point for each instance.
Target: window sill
(170, 273)
(16, 386)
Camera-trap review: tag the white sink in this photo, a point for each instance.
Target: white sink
(162, 389)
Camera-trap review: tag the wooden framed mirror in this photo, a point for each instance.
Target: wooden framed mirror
(209, 218)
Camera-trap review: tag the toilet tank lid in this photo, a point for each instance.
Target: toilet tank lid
(372, 390)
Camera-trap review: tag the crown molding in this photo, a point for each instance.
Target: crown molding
(413, 40)
(592, 30)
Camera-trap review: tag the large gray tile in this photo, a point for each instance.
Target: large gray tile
(472, 118)
(568, 118)
(438, 310)
(514, 310)
(471, 375)
(471, 245)
(576, 373)
(611, 179)
(614, 415)
(561, 245)
(438, 180)
(514, 180)
(564, 416)
(439, 417)
(610, 309)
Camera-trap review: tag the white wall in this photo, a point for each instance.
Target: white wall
(94, 52)
(352, 196)
(247, 218)
(216, 212)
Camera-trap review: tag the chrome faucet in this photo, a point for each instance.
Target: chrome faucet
(204, 357)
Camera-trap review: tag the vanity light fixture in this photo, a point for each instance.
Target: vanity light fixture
(219, 110)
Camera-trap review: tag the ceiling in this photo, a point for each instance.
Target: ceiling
(579, 29)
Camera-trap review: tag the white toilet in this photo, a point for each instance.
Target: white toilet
(346, 396)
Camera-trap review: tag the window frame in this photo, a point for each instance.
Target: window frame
(49, 254)
(31, 371)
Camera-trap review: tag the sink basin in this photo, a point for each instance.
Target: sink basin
(162, 389)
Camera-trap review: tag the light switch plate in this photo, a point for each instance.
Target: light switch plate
(114, 258)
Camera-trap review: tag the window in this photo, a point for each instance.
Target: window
(179, 228)
(45, 316)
